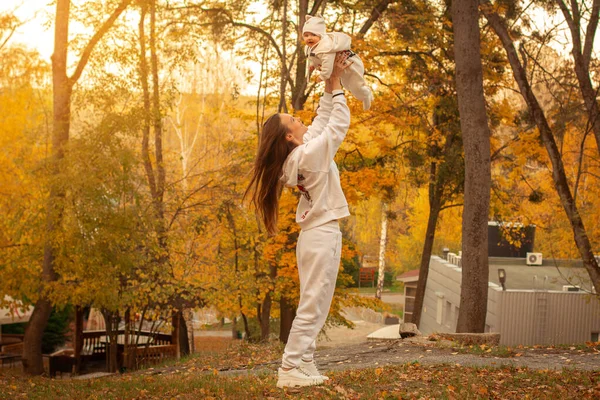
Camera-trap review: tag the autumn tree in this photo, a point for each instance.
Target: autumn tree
(26, 112)
(538, 116)
(582, 41)
(62, 88)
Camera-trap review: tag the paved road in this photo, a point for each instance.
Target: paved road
(391, 298)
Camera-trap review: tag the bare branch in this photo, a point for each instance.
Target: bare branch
(590, 33)
(96, 38)
(375, 14)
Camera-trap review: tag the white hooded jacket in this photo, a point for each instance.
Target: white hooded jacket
(310, 166)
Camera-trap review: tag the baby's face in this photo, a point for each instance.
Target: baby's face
(310, 39)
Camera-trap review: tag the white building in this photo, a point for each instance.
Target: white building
(550, 303)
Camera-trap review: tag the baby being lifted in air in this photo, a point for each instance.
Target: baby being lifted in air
(321, 48)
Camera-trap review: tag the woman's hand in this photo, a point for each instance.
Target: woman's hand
(339, 65)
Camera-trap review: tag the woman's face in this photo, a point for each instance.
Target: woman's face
(295, 128)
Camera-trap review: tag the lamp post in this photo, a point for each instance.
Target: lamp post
(502, 278)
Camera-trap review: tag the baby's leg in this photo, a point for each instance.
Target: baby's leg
(354, 81)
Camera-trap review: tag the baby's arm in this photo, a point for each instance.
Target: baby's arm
(327, 60)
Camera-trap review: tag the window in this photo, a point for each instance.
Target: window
(440, 310)
(448, 314)
(595, 337)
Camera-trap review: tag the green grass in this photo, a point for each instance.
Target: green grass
(397, 382)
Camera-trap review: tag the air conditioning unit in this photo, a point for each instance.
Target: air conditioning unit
(571, 288)
(534, 258)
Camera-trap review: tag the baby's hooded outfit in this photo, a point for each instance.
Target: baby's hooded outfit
(323, 55)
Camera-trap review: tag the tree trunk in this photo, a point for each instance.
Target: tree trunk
(234, 331)
(128, 348)
(434, 212)
(299, 94)
(382, 246)
(111, 321)
(78, 337)
(476, 141)
(32, 350)
(190, 329)
(175, 328)
(287, 314)
(284, 73)
(184, 340)
(32, 342)
(559, 176)
(589, 97)
(265, 317)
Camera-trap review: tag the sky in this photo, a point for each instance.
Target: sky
(37, 31)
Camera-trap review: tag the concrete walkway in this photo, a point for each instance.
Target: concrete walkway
(365, 323)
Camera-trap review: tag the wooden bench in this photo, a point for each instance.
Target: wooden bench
(7, 358)
(152, 347)
(153, 354)
(15, 348)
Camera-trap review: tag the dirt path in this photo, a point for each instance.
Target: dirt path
(377, 353)
(372, 354)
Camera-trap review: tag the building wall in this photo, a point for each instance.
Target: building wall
(548, 317)
(443, 290)
(521, 317)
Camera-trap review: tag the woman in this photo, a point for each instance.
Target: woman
(292, 154)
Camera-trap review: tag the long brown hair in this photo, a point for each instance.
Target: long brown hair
(273, 149)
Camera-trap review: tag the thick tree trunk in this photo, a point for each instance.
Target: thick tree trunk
(476, 141)
(382, 247)
(32, 343)
(559, 176)
(184, 340)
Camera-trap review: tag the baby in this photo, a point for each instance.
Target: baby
(321, 49)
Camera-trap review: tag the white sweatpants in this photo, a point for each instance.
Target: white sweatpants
(353, 80)
(318, 253)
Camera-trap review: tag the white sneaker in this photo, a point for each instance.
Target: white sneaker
(311, 368)
(296, 377)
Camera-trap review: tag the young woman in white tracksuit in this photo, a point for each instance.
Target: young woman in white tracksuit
(292, 154)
